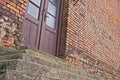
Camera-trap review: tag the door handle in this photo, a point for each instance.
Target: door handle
(45, 14)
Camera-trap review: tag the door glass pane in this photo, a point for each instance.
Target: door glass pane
(37, 2)
(33, 10)
(54, 1)
(50, 21)
(52, 9)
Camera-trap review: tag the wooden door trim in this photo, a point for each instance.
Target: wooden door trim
(59, 29)
(40, 29)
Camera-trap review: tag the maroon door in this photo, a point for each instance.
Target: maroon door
(32, 22)
(40, 27)
(50, 26)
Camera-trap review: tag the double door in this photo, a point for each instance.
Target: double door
(40, 27)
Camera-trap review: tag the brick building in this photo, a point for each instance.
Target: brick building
(84, 32)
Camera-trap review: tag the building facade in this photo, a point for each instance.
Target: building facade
(84, 32)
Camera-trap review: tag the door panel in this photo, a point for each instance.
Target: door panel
(52, 43)
(41, 25)
(26, 30)
(44, 45)
(33, 34)
(30, 31)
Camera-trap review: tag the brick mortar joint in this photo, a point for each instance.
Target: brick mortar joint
(114, 71)
(98, 68)
(13, 17)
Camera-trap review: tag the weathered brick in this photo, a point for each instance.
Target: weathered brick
(90, 29)
(13, 4)
(19, 8)
(21, 1)
(7, 1)
(92, 26)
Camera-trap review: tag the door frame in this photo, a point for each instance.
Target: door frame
(59, 29)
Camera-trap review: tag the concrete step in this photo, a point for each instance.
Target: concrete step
(43, 59)
(33, 69)
(51, 61)
(33, 65)
(8, 64)
(10, 53)
(5, 50)
(2, 76)
(17, 75)
(11, 56)
(27, 67)
(46, 71)
(9, 50)
(51, 72)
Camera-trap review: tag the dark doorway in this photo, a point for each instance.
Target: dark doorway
(40, 28)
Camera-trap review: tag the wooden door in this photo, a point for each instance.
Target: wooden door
(40, 27)
(50, 26)
(32, 23)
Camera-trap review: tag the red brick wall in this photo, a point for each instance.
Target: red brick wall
(15, 7)
(90, 33)
(93, 36)
(11, 19)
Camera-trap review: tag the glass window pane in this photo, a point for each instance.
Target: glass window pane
(52, 9)
(50, 21)
(33, 10)
(37, 2)
(54, 1)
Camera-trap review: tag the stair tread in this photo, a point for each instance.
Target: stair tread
(26, 76)
(39, 58)
(29, 64)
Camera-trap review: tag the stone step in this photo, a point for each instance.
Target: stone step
(9, 50)
(8, 64)
(11, 56)
(35, 69)
(13, 63)
(2, 76)
(26, 67)
(51, 72)
(46, 71)
(17, 75)
(33, 65)
(5, 50)
(51, 61)
(42, 58)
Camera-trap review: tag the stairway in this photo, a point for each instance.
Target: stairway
(29, 64)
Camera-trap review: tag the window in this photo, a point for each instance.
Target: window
(33, 8)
